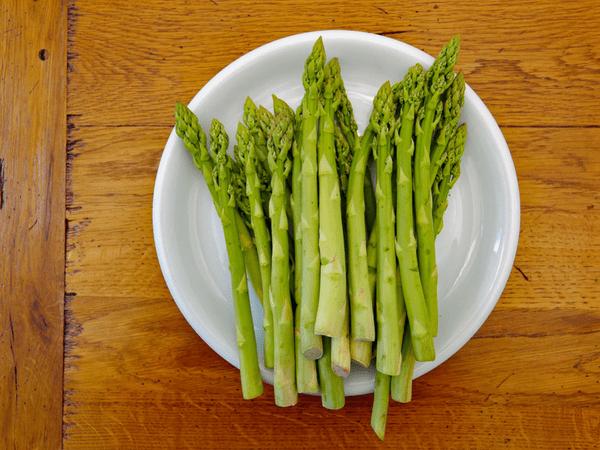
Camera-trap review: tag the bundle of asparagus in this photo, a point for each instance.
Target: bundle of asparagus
(344, 271)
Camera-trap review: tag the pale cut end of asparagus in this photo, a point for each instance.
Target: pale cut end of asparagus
(361, 352)
(314, 352)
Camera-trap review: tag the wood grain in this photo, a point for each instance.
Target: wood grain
(133, 364)
(32, 231)
(521, 57)
(136, 374)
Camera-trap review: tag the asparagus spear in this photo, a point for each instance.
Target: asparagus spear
(342, 346)
(279, 143)
(362, 318)
(384, 384)
(388, 335)
(455, 100)
(312, 79)
(307, 381)
(262, 237)
(194, 139)
(361, 353)
(252, 121)
(345, 118)
(332, 294)
(418, 315)
(246, 341)
(360, 350)
(332, 385)
(344, 158)
(448, 175)
(401, 387)
(296, 203)
(266, 121)
(340, 349)
(435, 84)
(347, 123)
(349, 128)
(306, 370)
(238, 181)
(402, 384)
(381, 400)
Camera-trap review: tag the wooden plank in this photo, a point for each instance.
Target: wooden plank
(559, 244)
(527, 374)
(110, 214)
(138, 376)
(32, 231)
(520, 57)
(109, 211)
(162, 386)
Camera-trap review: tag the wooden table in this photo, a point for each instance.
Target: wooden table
(94, 352)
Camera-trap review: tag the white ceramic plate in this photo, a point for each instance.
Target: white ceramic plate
(476, 248)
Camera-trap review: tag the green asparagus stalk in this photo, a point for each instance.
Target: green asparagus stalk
(401, 388)
(381, 400)
(361, 304)
(448, 175)
(267, 122)
(388, 334)
(418, 315)
(332, 313)
(279, 144)
(296, 203)
(262, 237)
(345, 117)
(362, 351)
(194, 139)
(349, 128)
(246, 341)
(344, 157)
(435, 84)
(332, 385)
(345, 349)
(238, 181)
(261, 173)
(307, 381)
(402, 384)
(340, 349)
(454, 101)
(312, 79)
(384, 383)
(362, 318)
(252, 121)
(306, 370)
(352, 350)
(332, 295)
(404, 331)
